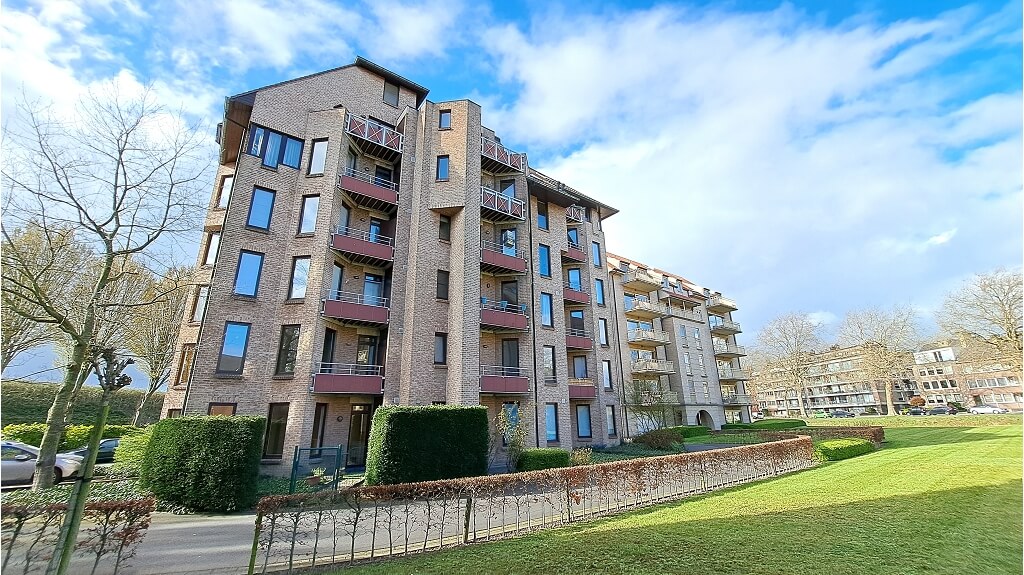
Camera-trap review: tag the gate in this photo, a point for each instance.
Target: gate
(316, 468)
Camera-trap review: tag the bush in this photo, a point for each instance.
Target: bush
(542, 458)
(661, 439)
(581, 456)
(75, 436)
(30, 402)
(130, 452)
(767, 424)
(685, 431)
(838, 449)
(425, 443)
(207, 463)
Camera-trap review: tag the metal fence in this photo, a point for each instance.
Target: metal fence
(315, 468)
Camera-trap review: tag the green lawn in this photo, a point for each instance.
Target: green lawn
(933, 500)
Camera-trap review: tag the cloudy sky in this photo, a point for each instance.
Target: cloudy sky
(812, 156)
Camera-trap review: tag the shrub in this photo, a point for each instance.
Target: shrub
(542, 458)
(767, 424)
(684, 431)
(204, 463)
(425, 443)
(871, 411)
(30, 402)
(130, 452)
(662, 439)
(581, 456)
(837, 449)
(75, 436)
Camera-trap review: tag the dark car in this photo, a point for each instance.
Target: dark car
(915, 411)
(843, 413)
(105, 454)
(942, 411)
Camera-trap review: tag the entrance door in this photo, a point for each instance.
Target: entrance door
(510, 356)
(358, 434)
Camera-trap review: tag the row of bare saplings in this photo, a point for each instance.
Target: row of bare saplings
(361, 523)
(110, 533)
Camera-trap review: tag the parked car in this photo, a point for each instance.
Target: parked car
(942, 410)
(18, 464)
(843, 413)
(915, 411)
(105, 454)
(757, 415)
(820, 415)
(986, 409)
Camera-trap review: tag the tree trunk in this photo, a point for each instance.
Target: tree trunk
(888, 397)
(142, 403)
(55, 421)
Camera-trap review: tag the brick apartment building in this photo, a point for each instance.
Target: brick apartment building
(366, 246)
(942, 377)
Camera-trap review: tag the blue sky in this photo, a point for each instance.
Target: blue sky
(803, 156)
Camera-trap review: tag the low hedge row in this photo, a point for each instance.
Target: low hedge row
(839, 449)
(542, 458)
(767, 424)
(665, 437)
(875, 434)
(75, 436)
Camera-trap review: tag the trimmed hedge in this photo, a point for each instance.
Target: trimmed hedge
(767, 424)
(416, 443)
(665, 437)
(838, 449)
(206, 463)
(30, 402)
(542, 458)
(75, 436)
(131, 451)
(685, 431)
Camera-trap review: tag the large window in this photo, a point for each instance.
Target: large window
(247, 278)
(602, 331)
(300, 278)
(609, 416)
(275, 148)
(579, 366)
(573, 234)
(606, 374)
(575, 282)
(542, 215)
(547, 316)
(232, 351)
(307, 217)
(261, 209)
(185, 360)
(287, 350)
(442, 168)
(440, 348)
(583, 420)
(391, 93)
(444, 229)
(595, 253)
(551, 421)
(442, 284)
(277, 422)
(544, 260)
(212, 247)
(199, 303)
(444, 120)
(318, 157)
(225, 191)
(548, 363)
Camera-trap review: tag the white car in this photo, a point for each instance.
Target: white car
(980, 409)
(18, 464)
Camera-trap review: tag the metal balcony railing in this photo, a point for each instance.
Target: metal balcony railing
(499, 202)
(736, 399)
(575, 213)
(581, 381)
(501, 305)
(733, 374)
(503, 249)
(503, 371)
(725, 325)
(728, 348)
(365, 236)
(495, 151)
(375, 132)
(362, 299)
(719, 301)
(577, 332)
(652, 365)
(370, 179)
(348, 368)
(641, 334)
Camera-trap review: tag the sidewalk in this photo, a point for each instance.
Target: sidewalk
(213, 544)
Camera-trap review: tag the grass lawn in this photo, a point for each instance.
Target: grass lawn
(934, 500)
(965, 420)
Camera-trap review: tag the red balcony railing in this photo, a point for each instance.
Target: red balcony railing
(574, 252)
(502, 315)
(498, 207)
(375, 138)
(348, 378)
(370, 191)
(501, 259)
(356, 308)
(575, 293)
(498, 159)
(364, 247)
(578, 339)
(503, 380)
(582, 389)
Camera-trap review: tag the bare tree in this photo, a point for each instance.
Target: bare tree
(123, 173)
(153, 331)
(887, 339)
(785, 346)
(19, 334)
(985, 316)
(646, 401)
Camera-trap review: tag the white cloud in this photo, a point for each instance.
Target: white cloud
(939, 239)
(822, 317)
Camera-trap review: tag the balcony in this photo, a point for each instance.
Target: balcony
(721, 326)
(655, 396)
(575, 213)
(582, 388)
(348, 378)
(369, 191)
(690, 314)
(363, 247)
(646, 338)
(578, 339)
(574, 253)
(574, 294)
(501, 380)
(373, 138)
(497, 207)
(356, 308)
(501, 260)
(728, 350)
(736, 399)
(503, 316)
(642, 307)
(645, 366)
(681, 296)
(640, 280)
(733, 374)
(498, 159)
(721, 304)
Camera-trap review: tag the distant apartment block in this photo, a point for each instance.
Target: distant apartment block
(943, 378)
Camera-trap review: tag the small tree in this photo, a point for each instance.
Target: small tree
(917, 401)
(785, 346)
(985, 315)
(646, 401)
(887, 339)
(510, 433)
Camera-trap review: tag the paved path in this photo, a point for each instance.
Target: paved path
(194, 544)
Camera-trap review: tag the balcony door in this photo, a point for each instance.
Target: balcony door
(375, 228)
(358, 434)
(576, 320)
(343, 216)
(327, 356)
(579, 366)
(510, 356)
(383, 175)
(575, 280)
(508, 188)
(366, 352)
(510, 294)
(373, 289)
(508, 241)
(574, 236)
(336, 277)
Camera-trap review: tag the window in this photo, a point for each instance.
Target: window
(232, 351)
(319, 421)
(547, 316)
(440, 348)
(510, 353)
(442, 168)
(300, 277)
(261, 208)
(548, 363)
(583, 420)
(579, 367)
(602, 331)
(442, 284)
(444, 229)
(576, 320)
(172, 413)
(225, 191)
(686, 361)
(510, 293)
(551, 421)
(595, 253)
(609, 418)
(327, 355)
(212, 247)
(199, 303)
(575, 282)
(390, 93)
(573, 236)
(247, 277)
(287, 350)
(366, 350)
(373, 290)
(444, 120)
(307, 217)
(221, 408)
(606, 374)
(277, 422)
(599, 291)
(318, 158)
(274, 148)
(544, 260)
(542, 215)
(188, 356)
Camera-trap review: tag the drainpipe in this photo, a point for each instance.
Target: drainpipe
(533, 300)
(618, 345)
